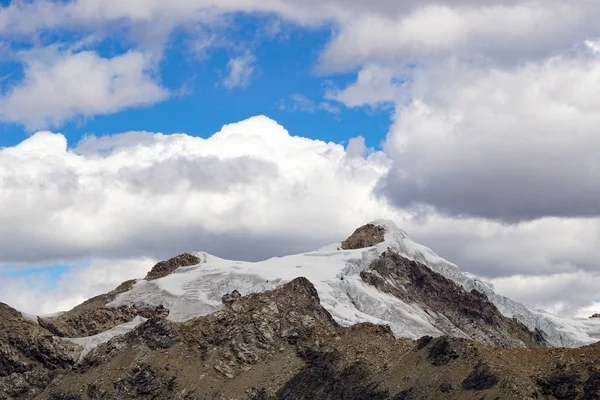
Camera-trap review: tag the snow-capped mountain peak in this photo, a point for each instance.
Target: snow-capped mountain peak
(338, 273)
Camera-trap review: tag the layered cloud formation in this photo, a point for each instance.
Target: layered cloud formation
(498, 143)
(490, 158)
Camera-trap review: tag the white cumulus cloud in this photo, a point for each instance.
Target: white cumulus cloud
(58, 86)
(246, 189)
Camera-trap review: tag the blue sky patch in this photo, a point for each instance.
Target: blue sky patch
(199, 103)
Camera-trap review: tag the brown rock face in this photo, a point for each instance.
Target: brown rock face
(365, 236)
(25, 345)
(254, 340)
(230, 298)
(28, 355)
(595, 316)
(471, 312)
(165, 268)
(93, 317)
(282, 345)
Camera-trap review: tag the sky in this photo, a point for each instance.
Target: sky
(133, 131)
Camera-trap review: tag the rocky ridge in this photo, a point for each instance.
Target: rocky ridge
(283, 344)
(29, 355)
(165, 268)
(93, 316)
(457, 312)
(366, 236)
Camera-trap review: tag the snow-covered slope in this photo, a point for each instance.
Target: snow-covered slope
(90, 342)
(197, 290)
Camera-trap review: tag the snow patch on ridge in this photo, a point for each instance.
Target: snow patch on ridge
(89, 343)
(34, 318)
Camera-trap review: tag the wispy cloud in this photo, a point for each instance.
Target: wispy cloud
(240, 70)
(374, 86)
(299, 102)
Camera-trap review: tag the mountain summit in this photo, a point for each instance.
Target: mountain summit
(338, 322)
(377, 275)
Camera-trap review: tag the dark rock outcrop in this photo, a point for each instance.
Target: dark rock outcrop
(230, 298)
(145, 382)
(324, 378)
(25, 385)
(591, 389)
(255, 325)
(441, 351)
(407, 394)
(481, 378)
(561, 386)
(365, 236)
(165, 268)
(24, 345)
(471, 312)
(158, 334)
(28, 355)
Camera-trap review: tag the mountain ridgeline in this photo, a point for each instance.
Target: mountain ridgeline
(376, 316)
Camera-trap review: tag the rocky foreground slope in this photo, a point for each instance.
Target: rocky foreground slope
(283, 344)
(379, 317)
